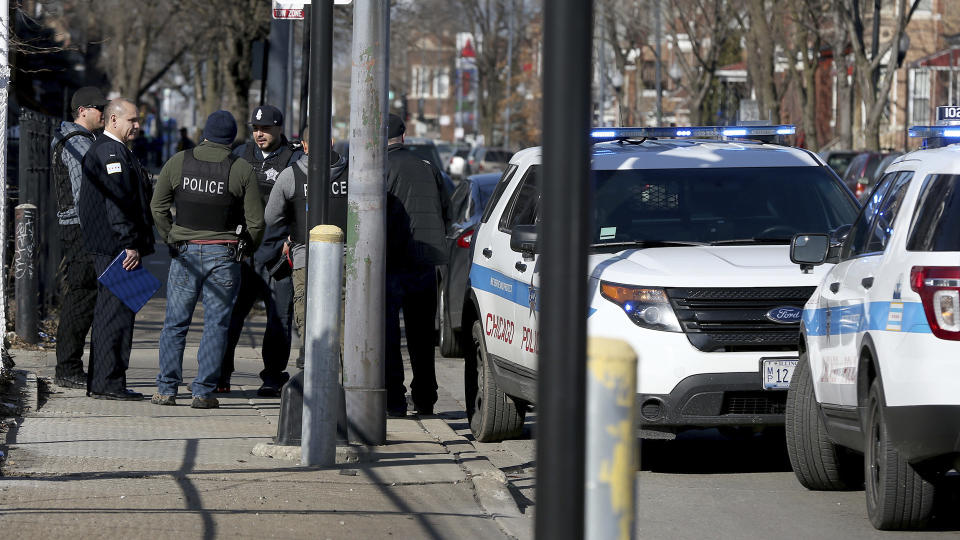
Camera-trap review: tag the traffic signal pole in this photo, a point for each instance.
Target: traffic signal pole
(363, 347)
(564, 235)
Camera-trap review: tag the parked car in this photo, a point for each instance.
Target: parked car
(839, 160)
(466, 206)
(874, 403)
(457, 162)
(423, 148)
(688, 263)
(484, 159)
(860, 172)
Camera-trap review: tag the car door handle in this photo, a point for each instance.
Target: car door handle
(520, 266)
(834, 287)
(487, 252)
(867, 282)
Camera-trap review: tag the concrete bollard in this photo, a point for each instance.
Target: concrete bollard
(612, 457)
(25, 272)
(321, 388)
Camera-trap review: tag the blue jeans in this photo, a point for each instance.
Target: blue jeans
(209, 273)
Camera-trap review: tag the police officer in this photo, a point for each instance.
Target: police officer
(416, 243)
(269, 153)
(287, 208)
(218, 210)
(115, 220)
(79, 285)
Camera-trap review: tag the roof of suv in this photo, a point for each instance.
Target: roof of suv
(944, 160)
(689, 154)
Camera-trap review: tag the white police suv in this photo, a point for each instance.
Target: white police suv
(689, 263)
(879, 369)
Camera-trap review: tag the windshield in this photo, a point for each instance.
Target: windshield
(720, 205)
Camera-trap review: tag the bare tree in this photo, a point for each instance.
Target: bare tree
(804, 38)
(874, 78)
(628, 29)
(706, 26)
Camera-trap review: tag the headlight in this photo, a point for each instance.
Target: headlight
(647, 307)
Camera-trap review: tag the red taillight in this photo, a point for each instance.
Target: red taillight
(939, 289)
(465, 238)
(858, 191)
(480, 168)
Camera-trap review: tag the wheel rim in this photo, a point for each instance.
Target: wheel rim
(875, 450)
(481, 379)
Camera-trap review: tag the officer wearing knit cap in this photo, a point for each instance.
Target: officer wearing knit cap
(218, 211)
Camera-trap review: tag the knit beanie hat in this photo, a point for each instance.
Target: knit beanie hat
(221, 128)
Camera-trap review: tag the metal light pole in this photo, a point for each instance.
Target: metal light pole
(561, 402)
(506, 120)
(4, 85)
(363, 348)
(659, 66)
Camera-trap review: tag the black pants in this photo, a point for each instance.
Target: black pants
(111, 339)
(78, 288)
(277, 295)
(414, 292)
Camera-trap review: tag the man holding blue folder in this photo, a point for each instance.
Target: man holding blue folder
(115, 220)
(218, 209)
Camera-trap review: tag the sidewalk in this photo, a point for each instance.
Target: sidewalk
(94, 468)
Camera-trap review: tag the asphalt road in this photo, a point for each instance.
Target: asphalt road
(705, 485)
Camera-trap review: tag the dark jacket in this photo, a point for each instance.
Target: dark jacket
(416, 211)
(242, 184)
(267, 170)
(114, 205)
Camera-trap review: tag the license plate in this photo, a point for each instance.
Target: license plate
(776, 373)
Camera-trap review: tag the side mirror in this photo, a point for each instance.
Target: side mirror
(809, 250)
(524, 239)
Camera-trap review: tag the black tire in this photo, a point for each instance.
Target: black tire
(897, 496)
(495, 415)
(449, 340)
(818, 463)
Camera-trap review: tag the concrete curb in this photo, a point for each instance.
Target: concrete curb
(489, 483)
(345, 454)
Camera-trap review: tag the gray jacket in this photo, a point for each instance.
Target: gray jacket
(276, 213)
(73, 151)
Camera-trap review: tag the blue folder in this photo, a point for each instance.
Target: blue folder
(132, 287)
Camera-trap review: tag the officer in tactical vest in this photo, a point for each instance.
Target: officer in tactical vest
(287, 208)
(79, 279)
(219, 216)
(265, 277)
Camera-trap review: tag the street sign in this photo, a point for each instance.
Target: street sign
(293, 9)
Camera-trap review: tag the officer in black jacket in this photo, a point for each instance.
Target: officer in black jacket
(114, 210)
(416, 243)
(269, 153)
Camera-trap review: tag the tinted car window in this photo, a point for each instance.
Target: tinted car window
(523, 206)
(459, 203)
(937, 220)
(886, 217)
(723, 204)
(860, 232)
(498, 192)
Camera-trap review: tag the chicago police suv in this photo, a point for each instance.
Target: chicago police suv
(689, 263)
(879, 369)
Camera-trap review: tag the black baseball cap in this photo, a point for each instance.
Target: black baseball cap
(88, 96)
(266, 115)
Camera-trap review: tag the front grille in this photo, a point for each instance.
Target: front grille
(734, 319)
(754, 403)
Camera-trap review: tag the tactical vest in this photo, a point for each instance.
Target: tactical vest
(269, 169)
(203, 198)
(61, 175)
(298, 221)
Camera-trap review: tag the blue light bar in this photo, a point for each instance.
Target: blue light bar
(934, 131)
(699, 132)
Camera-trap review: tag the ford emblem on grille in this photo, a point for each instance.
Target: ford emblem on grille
(785, 315)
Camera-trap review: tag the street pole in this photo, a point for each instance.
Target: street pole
(659, 66)
(4, 85)
(564, 233)
(506, 120)
(363, 363)
(322, 339)
(305, 72)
